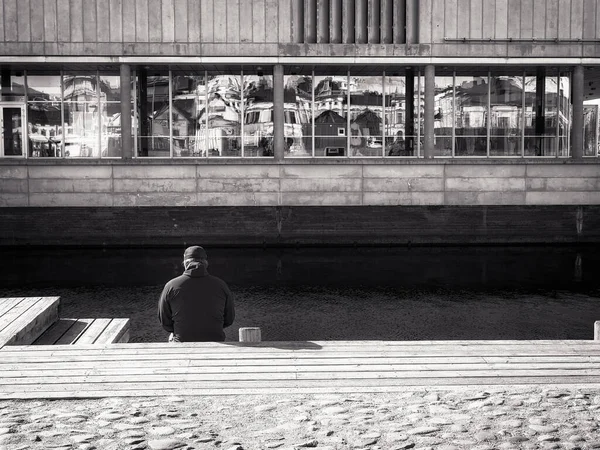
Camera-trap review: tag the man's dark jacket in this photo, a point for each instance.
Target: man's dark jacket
(196, 306)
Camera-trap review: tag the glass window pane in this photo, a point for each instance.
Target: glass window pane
(153, 112)
(258, 115)
(401, 115)
(80, 88)
(540, 114)
(12, 88)
(189, 115)
(110, 87)
(471, 116)
(12, 130)
(366, 116)
(564, 116)
(331, 115)
(590, 133)
(443, 119)
(43, 88)
(44, 127)
(81, 133)
(298, 115)
(506, 102)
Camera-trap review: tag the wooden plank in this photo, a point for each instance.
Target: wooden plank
(6, 304)
(32, 323)
(233, 21)
(564, 19)
(551, 19)
(155, 21)
(90, 21)
(194, 21)
(220, 21)
(24, 20)
(539, 19)
(501, 19)
(437, 21)
(10, 21)
(102, 22)
(76, 330)
(168, 21)
(577, 20)
(246, 27)
(76, 18)
(93, 331)
(181, 20)
(272, 21)
(141, 21)
(56, 330)
(37, 20)
(258, 21)
(114, 332)
(589, 23)
(18, 310)
(526, 19)
(116, 20)
(451, 19)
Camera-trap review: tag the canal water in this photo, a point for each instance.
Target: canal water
(306, 294)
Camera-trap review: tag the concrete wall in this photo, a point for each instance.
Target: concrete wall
(116, 184)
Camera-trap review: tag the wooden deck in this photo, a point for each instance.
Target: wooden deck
(85, 331)
(23, 319)
(162, 369)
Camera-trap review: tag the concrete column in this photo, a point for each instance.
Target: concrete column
(387, 21)
(298, 21)
(429, 111)
(335, 36)
(374, 14)
(278, 113)
(126, 140)
(577, 125)
(310, 21)
(348, 21)
(411, 21)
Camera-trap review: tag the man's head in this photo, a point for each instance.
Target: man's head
(194, 255)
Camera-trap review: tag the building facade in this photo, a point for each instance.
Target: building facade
(278, 121)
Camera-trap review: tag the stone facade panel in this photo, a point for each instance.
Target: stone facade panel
(142, 171)
(12, 200)
(41, 185)
(156, 199)
(238, 199)
(484, 198)
(321, 198)
(237, 171)
(485, 171)
(403, 198)
(86, 171)
(321, 171)
(13, 186)
(19, 172)
(403, 184)
(321, 185)
(485, 184)
(562, 198)
(401, 171)
(237, 185)
(563, 170)
(70, 199)
(157, 185)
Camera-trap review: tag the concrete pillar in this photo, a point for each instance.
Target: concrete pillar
(429, 111)
(335, 36)
(126, 140)
(409, 125)
(374, 33)
(411, 21)
(298, 21)
(577, 125)
(278, 113)
(387, 21)
(361, 20)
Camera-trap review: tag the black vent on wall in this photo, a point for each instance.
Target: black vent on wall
(353, 21)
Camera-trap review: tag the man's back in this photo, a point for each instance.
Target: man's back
(196, 306)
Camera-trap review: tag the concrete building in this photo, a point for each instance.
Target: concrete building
(286, 122)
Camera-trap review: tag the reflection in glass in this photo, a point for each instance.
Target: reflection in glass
(111, 129)
(564, 116)
(298, 115)
(506, 102)
(12, 131)
(258, 115)
(590, 130)
(400, 99)
(80, 130)
(12, 88)
(81, 88)
(540, 115)
(153, 99)
(188, 115)
(442, 119)
(471, 116)
(44, 126)
(366, 116)
(224, 118)
(331, 115)
(43, 88)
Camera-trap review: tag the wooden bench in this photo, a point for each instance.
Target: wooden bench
(24, 319)
(85, 331)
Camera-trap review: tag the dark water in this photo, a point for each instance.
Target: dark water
(336, 293)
